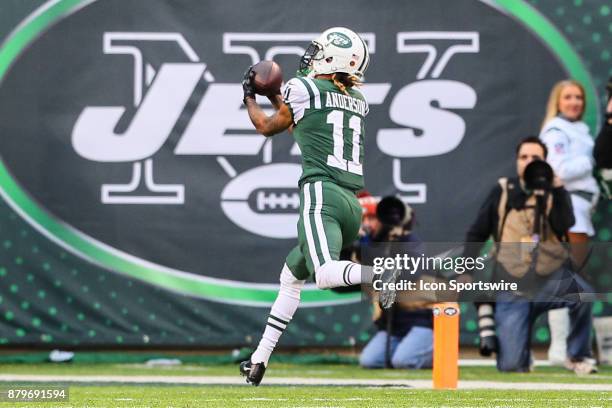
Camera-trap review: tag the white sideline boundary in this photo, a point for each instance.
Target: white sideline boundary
(235, 380)
(490, 362)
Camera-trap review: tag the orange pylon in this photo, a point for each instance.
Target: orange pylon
(446, 345)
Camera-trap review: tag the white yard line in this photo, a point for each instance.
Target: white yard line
(490, 362)
(221, 380)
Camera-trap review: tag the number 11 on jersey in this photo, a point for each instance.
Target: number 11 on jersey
(337, 160)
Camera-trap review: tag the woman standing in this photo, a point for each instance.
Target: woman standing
(570, 148)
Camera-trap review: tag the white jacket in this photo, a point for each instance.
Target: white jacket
(570, 153)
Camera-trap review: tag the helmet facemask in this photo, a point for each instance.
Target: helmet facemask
(314, 51)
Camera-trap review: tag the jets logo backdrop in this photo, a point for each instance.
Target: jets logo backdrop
(125, 140)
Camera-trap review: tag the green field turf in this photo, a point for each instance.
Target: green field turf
(157, 395)
(233, 396)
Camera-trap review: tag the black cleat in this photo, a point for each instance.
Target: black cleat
(387, 295)
(253, 372)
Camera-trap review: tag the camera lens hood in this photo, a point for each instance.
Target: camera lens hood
(538, 175)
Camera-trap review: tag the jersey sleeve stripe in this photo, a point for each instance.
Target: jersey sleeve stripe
(316, 95)
(286, 93)
(310, 92)
(298, 98)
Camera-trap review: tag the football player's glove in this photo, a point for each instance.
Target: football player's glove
(247, 85)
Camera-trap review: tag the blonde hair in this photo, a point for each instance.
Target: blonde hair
(552, 107)
(343, 81)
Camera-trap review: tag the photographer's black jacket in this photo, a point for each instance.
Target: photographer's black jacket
(561, 216)
(603, 147)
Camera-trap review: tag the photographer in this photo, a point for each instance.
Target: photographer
(532, 210)
(405, 331)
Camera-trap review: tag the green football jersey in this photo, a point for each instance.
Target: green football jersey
(329, 130)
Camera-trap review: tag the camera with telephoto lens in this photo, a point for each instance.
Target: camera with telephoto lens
(395, 218)
(538, 176)
(486, 329)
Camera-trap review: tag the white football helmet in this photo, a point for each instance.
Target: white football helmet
(337, 49)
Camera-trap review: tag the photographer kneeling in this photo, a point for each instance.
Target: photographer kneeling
(405, 331)
(528, 218)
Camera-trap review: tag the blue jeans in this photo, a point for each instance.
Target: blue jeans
(414, 350)
(514, 316)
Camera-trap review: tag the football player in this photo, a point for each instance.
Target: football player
(326, 112)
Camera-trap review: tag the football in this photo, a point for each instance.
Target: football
(268, 77)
